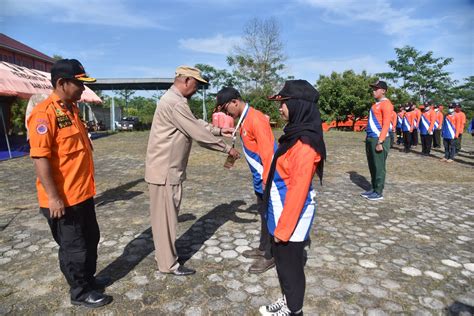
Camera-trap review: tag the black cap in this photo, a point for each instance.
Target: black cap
(70, 69)
(297, 89)
(226, 95)
(428, 103)
(380, 85)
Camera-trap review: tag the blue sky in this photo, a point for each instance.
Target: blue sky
(131, 39)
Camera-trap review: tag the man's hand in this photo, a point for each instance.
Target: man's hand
(430, 133)
(378, 148)
(227, 131)
(234, 153)
(56, 208)
(276, 239)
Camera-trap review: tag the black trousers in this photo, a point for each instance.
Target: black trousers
(449, 148)
(289, 261)
(414, 137)
(77, 234)
(426, 141)
(399, 136)
(407, 141)
(392, 139)
(458, 143)
(437, 138)
(265, 237)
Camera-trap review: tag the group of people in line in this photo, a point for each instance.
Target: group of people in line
(282, 172)
(429, 122)
(384, 124)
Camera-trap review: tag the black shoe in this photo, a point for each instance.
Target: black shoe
(261, 265)
(101, 283)
(93, 299)
(182, 271)
(253, 253)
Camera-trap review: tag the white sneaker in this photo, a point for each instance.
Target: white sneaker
(275, 308)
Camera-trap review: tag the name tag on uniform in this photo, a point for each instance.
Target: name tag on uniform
(63, 121)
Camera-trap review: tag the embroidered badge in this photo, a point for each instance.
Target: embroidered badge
(42, 121)
(41, 129)
(63, 121)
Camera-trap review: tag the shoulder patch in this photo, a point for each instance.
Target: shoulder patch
(41, 128)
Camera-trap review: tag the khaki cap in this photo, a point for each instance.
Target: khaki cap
(187, 71)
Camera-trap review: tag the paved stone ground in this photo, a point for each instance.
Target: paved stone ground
(411, 253)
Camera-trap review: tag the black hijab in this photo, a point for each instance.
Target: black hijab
(305, 125)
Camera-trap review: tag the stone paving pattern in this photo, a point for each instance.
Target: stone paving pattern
(410, 254)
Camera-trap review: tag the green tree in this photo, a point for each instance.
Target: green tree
(57, 57)
(195, 104)
(398, 96)
(106, 99)
(344, 94)
(258, 98)
(259, 60)
(465, 94)
(124, 98)
(217, 78)
(143, 108)
(422, 74)
(18, 111)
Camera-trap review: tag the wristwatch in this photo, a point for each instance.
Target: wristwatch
(379, 143)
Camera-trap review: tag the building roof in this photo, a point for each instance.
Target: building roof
(14, 45)
(133, 84)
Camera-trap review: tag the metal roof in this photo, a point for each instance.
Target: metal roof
(18, 47)
(132, 84)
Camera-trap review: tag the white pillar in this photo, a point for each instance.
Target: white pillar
(112, 115)
(204, 110)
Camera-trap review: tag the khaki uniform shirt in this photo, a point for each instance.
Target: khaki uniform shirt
(172, 131)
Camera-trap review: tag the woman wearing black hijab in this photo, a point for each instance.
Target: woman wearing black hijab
(289, 194)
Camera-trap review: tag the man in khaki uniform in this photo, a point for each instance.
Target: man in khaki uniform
(172, 131)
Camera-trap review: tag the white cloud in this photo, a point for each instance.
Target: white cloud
(310, 68)
(394, 22)
(214, 45)
(101, 12)
(136, 71)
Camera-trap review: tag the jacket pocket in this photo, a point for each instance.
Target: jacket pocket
(69, 141)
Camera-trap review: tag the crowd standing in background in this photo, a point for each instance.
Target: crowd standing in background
(429, 121)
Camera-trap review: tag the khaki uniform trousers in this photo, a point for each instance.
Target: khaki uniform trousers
(165, 201)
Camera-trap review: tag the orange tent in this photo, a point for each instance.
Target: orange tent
(22, 82)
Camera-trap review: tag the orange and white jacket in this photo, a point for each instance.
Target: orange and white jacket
(450, 127)
(380, 117)
(408, 119)
(258, 145)
(393, 122)
(461, 119)
(427, 122)
(292, 204)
